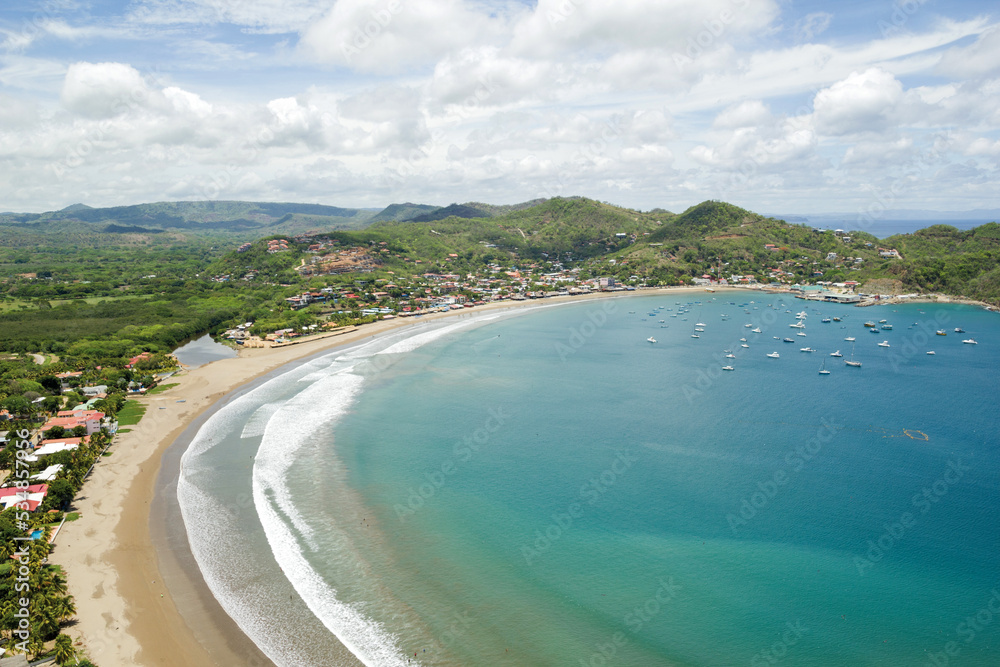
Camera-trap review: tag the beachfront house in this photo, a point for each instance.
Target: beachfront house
(91, 420)
(32, 496)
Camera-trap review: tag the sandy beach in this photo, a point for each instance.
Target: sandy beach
(126, 543)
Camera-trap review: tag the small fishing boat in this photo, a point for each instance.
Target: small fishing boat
(773, 355)
(884, 343)
(651, 339)
(836, 354)
(970, 341)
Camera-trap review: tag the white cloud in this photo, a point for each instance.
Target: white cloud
(812, 25)
(982, 58)
(863, 102)
(560, 26)
(100, 90)
(396, 35)
(746, 114)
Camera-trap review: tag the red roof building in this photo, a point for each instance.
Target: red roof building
(32, 496)
(69, 419)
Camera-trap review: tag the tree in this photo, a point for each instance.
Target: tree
(51, 384)
(61, 491)
(64, 650)
(55, 432)
(79, 431)
(17, 405)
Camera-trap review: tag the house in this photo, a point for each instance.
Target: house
(48, 474)
(136, 359)
(50, 447)
(830, 256)
(32, 496)
(96, 390)
(70, 419)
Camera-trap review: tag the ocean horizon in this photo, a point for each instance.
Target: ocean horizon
(547, 486)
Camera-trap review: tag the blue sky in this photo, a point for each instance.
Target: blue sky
(778, 106)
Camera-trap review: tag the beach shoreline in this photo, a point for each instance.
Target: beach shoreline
(151, 606)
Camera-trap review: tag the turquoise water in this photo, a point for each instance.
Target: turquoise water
(552, 489)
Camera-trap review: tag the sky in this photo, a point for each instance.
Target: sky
(774, 105)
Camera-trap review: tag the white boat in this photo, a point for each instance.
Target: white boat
(728, 368)
(743, 340)
(651, 339)
(930, 352)
(850, 339)
(773, 355)
(851, 362)
(822, 369)
(695, 336)
(836, 354)
(825, 320)
(797, 325)
(744, 345)
(699, 324)
(748, 326)
(801, 333)
(788, 340)
(884, 343)
(730, 356)
(756, 330)
(970, 341)
(941, 332)
(806, 349)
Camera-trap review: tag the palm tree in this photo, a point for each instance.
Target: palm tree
(65, 608)
(64, 649)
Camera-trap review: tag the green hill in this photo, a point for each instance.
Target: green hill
(452, 211)
(248, 219)
(400, 212)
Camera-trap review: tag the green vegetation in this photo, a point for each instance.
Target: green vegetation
(83, 299)
(49, 608)
(159, 389)
(131, 413)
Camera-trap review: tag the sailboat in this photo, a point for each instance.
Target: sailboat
(851, 362)
(822, 370)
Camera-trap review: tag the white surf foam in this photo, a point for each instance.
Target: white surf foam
(287, 432)
(285, 427)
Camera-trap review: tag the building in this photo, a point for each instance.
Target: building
(33, 496)
(842, 298)
(48, 474)
(70, 419)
